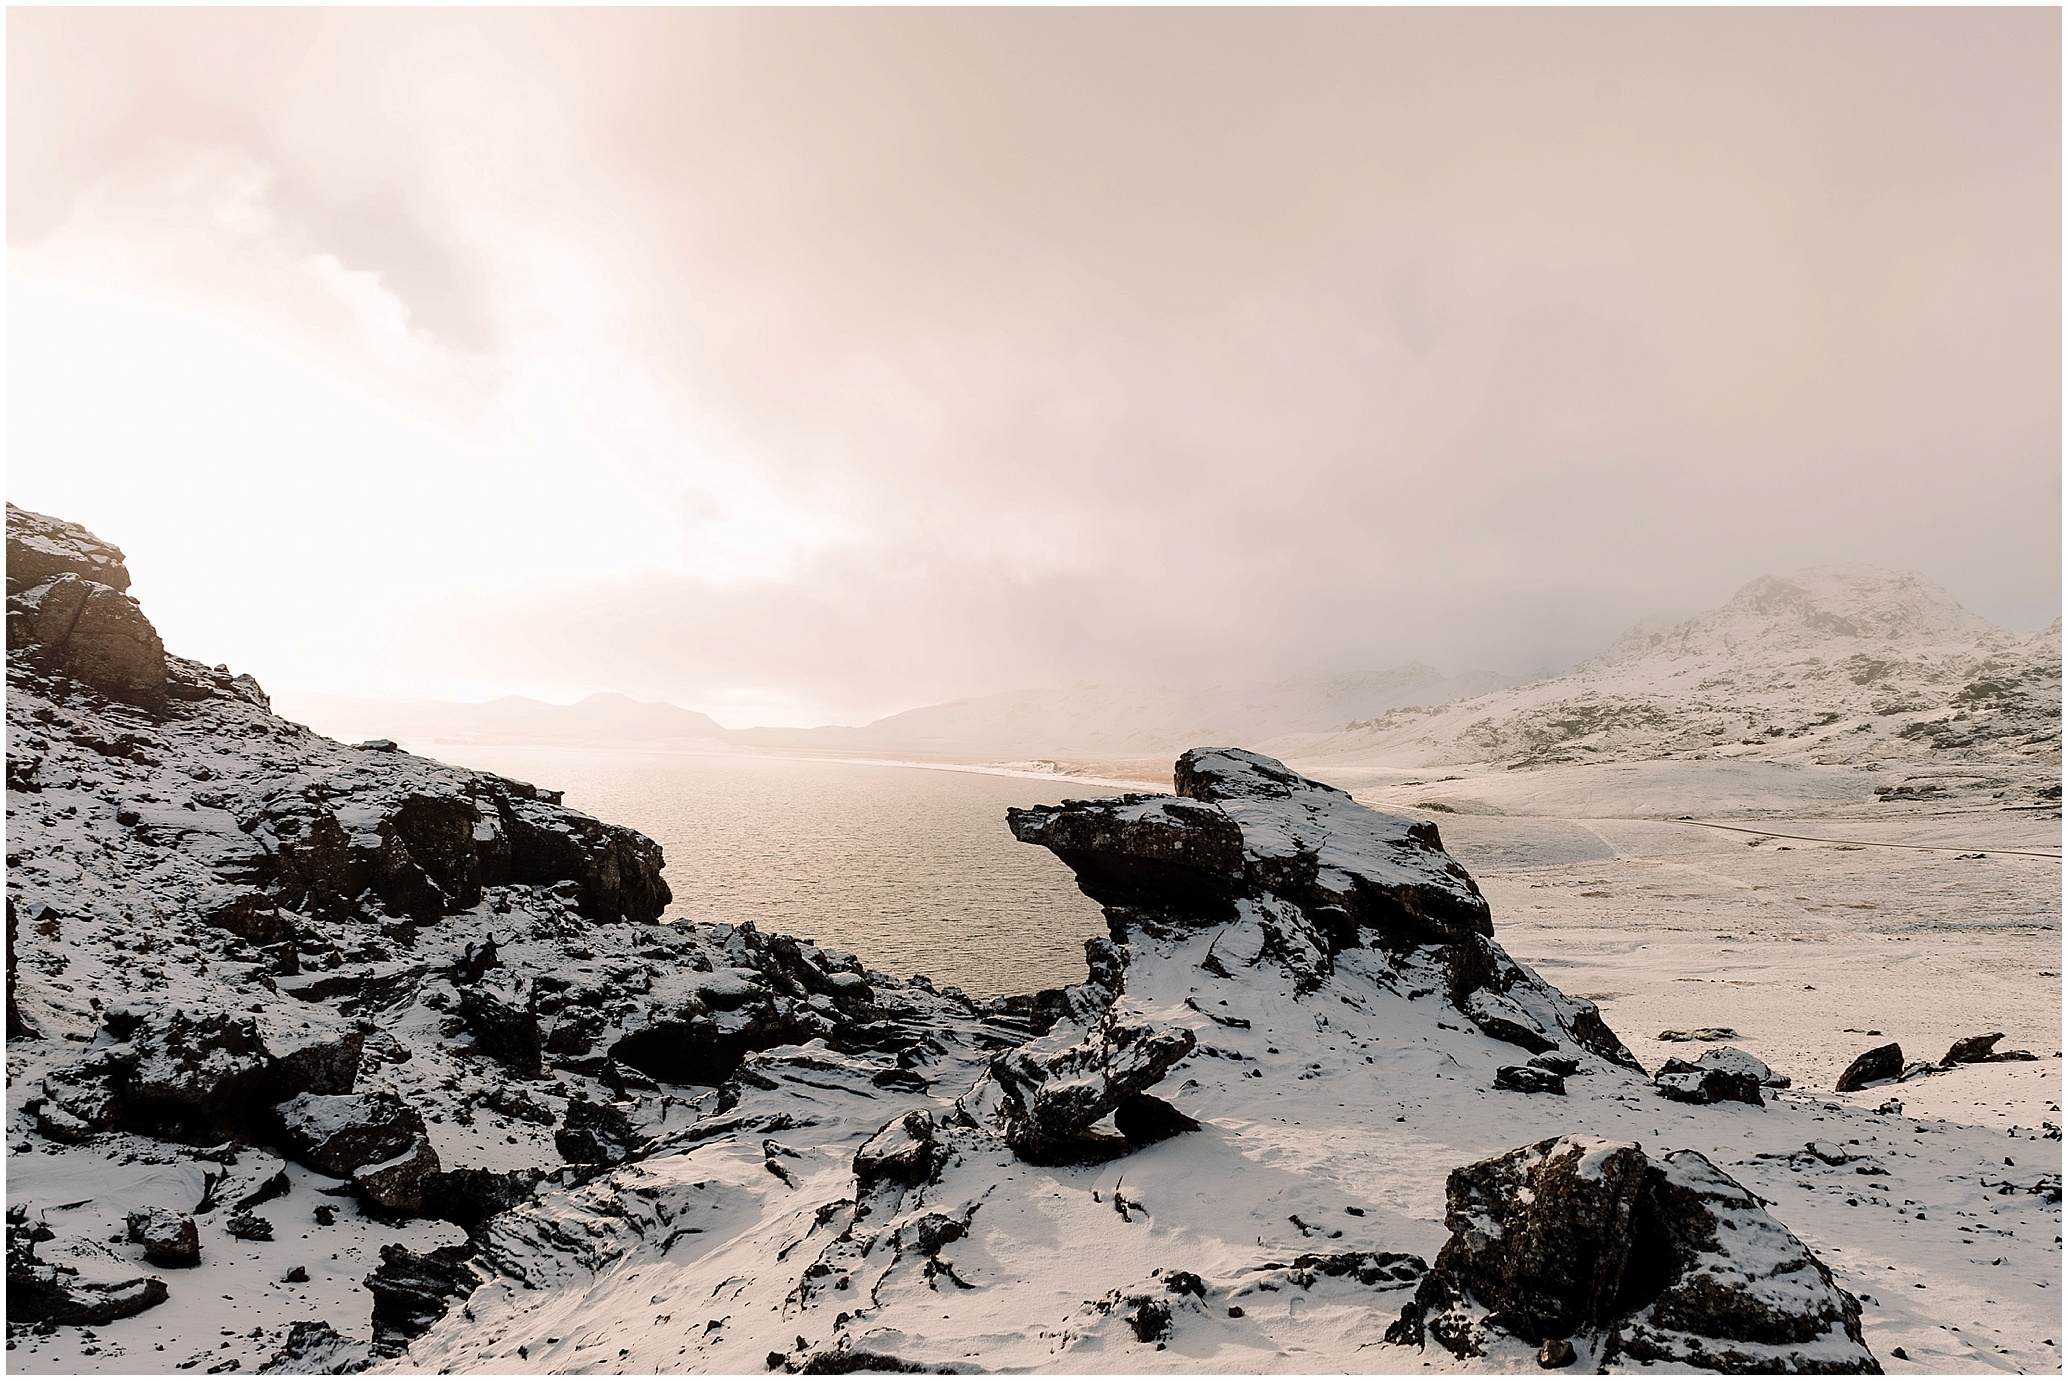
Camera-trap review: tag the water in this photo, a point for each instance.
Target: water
(911, 868)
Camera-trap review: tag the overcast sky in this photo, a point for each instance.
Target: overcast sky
(809, 365)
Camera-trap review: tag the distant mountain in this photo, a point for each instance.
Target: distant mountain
(1107, 721)
(1830, 665)
(601, 718)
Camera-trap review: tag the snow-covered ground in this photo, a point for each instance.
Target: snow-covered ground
(571, 1135)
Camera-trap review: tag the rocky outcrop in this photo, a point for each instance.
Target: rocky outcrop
(1296, 872)
(413, 1290)
(1659, 1260)
(67, 612)
(372, 1139)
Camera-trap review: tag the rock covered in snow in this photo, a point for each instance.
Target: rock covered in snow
(1296, 872)
(1657, 1259)
(1723, 1075)
(168, 1238)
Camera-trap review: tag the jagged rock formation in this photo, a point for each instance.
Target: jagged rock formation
(1276, 867)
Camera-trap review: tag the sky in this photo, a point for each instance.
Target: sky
(803, 366)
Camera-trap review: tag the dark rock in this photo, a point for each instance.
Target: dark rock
(470, 1197)
(1054, 1089)
(413, 1290)
(1556, 1353)
(191, 1075)
(1676, 1262)
(1701, 1033)
(338, 1133)
(168, 1238)
(249, 1227)
(1184, 1283)
(325, 1215)
(314, 1348)
(1145, 1119)
(848, 1361)
(1740, 1294)
(593, 1133)
(1542, 1234)
(1525, 1079)
(395, 1185)
(1148, 1316)
(1380, 1270)
(18, 1028)
(298, 1275)
(82, 629)
(1974, 1050)
(504, 1031)
(1882, 1063)
(1564, 1066)
(1724, 1075)
(904, 1154)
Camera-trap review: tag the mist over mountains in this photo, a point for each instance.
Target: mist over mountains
(1831, 665)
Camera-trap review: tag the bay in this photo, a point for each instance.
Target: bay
(912, 868)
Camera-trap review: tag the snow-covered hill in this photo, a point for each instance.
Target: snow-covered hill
(1829, 667)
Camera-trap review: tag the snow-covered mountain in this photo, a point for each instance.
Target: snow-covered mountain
(1832, 666)
(324, 1056)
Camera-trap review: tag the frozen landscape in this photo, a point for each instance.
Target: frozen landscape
(1551, 1027)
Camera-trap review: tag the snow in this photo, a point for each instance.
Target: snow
(1330, 1114)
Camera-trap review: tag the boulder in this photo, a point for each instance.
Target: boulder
(1723, 1075)
(1740, 1293)
(1542, 1235)
(395, 1185)
(80, 628)
(903, 1154)
(1665, 1260)
(168, 1238)
(1054, 1089)
(505, 1028)
(1883, 1062)
(372, 1138)
(1528, 1079)
(1975, 1050)
(249, 1227)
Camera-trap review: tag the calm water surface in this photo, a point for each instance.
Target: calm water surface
(911, 868)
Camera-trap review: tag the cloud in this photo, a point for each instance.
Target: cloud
(821, 363)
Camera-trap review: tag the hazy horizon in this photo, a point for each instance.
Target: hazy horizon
(810, 366)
